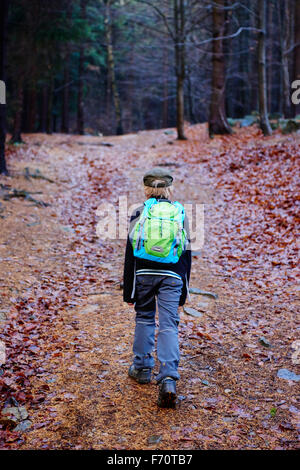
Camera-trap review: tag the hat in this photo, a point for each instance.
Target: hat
(158, 178)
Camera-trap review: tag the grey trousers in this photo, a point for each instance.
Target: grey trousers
(167, 291)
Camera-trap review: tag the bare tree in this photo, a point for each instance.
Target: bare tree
(217, 120)
(262, 75)
(16, 136)
(297, 47)
(175, 28)
(179, 38)
(66, 79)
(285, 43)
(80, 104)
(111, 66)
(3, 40)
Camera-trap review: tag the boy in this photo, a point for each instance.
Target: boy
(148, 277)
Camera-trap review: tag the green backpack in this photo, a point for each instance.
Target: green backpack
(158, 234)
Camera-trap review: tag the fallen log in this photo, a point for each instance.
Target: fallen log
(37, 175)
(26, 195)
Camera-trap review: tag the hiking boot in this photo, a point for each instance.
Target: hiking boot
(167, 393)
(142, 376)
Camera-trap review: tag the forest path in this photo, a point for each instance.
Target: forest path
(84, 398)
(97, 405)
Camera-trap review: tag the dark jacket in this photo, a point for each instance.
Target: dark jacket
(182, 267)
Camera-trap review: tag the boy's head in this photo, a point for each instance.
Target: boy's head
(158, 183)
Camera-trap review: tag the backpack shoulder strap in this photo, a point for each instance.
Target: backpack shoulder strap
(149, 203)
(181, 209)
(179, 205)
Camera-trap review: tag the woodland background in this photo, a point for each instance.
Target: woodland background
(117, 66)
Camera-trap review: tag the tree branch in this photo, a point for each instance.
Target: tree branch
(161, 14)
(221, 38)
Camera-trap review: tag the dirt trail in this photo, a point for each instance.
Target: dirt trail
(89, 402)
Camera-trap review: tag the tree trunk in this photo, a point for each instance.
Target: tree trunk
(16, 137)
(65, 96)
(243, 101)
(80, 107)
(64, 127)
(285, 42)
(217, 119)
(270, 54)
(30, 117)
(180, 108)
(111, 69)
(179, 20)
(252, 64)
(108, 89)
(50, 107)
(3, 42)
(262, 76)
(80, 104)
(278, 91)
(130, 92)
(228, 50)
(165, 88)
(296, 71)
(190, 97)
(43, 109)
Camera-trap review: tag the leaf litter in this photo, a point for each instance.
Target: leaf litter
(68, 346)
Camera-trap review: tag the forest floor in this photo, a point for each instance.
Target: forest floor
(66, 334)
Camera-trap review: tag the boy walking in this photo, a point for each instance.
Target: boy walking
(157, 267)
